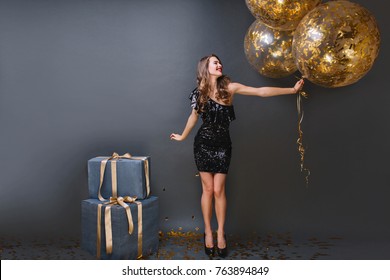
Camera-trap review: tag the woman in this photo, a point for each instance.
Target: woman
(213, 99)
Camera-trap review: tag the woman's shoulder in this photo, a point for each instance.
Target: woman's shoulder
(194, 93)
(194, 99)
(232, 87)
(195, 90)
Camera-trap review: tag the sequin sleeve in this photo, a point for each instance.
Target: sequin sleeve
(194, 98)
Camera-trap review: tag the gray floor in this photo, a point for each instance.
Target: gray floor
(189, 245)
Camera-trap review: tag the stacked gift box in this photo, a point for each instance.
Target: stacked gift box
(120, 218)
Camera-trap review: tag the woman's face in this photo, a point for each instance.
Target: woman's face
(215, 67)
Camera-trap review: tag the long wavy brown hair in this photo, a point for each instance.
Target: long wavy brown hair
(204, 85)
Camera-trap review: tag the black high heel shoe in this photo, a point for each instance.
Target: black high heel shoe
(207, 250)
(222, 252)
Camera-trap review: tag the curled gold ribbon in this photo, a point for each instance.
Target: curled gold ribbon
(114, 158)
(108, 224)
(301, 148)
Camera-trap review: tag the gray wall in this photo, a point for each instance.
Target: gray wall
(83, 78)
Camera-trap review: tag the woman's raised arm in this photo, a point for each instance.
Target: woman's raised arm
(237, 88)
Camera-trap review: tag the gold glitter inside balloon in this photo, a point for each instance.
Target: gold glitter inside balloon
(336, 44)
(281, 14)
(269, 50)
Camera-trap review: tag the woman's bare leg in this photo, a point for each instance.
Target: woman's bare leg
(220, 207)
(207, 205)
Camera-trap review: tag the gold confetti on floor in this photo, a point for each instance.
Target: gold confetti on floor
(182, 245)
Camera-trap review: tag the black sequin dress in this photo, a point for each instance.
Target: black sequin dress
(212, 145)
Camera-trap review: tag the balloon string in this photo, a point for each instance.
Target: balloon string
(301, 149)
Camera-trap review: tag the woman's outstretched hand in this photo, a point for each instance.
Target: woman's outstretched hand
(176, 137)
(298, 86)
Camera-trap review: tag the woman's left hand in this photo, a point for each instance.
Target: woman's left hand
(298, 86)
(177, 137)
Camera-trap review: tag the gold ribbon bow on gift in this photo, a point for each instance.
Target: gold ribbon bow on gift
(114, 158)
(108, 225)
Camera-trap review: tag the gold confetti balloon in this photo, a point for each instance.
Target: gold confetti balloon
(269, 50)
(336, 44)
(281, 14)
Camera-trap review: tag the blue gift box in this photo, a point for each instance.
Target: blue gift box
(124, 245)
(132, 177)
